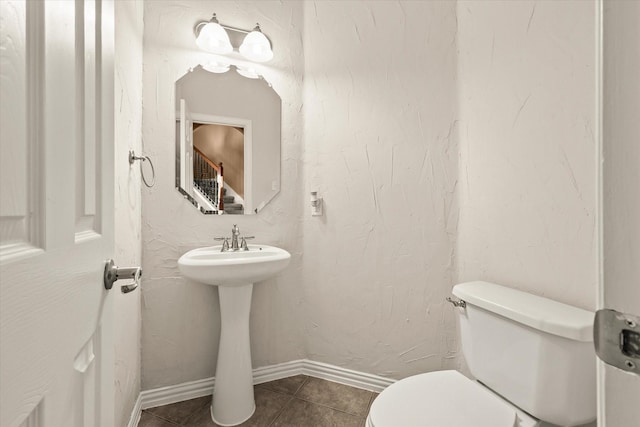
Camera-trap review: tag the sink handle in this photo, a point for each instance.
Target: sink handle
(225, 243)
(244, 242)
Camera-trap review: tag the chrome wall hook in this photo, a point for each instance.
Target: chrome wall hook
(133, 158)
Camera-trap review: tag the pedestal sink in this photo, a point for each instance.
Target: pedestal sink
(234, 272)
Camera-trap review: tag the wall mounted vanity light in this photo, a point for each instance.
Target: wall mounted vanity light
(248, 72)
(217, 67)
(256, 47)
(213, 37)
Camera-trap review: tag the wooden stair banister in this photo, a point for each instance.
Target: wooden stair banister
(207, 171)
(221, 193)
(209, 162)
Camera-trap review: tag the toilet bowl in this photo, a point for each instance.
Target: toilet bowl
(533, 358)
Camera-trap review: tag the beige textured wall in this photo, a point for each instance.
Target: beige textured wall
(527, 146)
(181, 319)
(381, 149)
(128, 235)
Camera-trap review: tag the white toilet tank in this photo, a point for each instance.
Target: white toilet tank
(535, 352)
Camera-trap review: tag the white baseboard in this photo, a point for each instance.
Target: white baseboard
(193, 389)
(176, 393)
(136, 413)
(349, 377)
(277, 372)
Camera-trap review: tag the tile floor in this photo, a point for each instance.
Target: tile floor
(298, 401)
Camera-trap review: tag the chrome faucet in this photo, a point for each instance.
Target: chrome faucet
(235, 232)
(235, 246)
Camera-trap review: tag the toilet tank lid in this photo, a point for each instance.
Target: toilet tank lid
(537, 312)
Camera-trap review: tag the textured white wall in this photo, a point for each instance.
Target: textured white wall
(527, 167)
(128, 236)
(181, 318)
(384, 99)
(381, 148)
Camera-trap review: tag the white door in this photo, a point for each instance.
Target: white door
(620, 391)
(186, 148)
(56, 213)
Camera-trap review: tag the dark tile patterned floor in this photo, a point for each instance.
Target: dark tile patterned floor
(298, 401)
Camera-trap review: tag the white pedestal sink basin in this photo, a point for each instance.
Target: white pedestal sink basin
(212, 267)
(234, 272)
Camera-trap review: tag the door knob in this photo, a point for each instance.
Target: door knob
(113, 273)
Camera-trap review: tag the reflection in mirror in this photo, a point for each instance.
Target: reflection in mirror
(217, 149)
(227, 142)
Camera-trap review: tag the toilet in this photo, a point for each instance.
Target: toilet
(532, 358)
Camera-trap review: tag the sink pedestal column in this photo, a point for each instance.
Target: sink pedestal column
(233, 401)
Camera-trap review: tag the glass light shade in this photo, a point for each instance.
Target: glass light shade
(256, 47)
(213, 38)
(217, 67)
(249, 73)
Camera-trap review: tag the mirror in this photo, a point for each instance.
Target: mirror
(227, 141)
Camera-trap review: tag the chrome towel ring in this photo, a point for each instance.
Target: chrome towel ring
(133, 158)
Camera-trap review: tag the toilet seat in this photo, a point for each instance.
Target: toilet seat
(440, 399)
